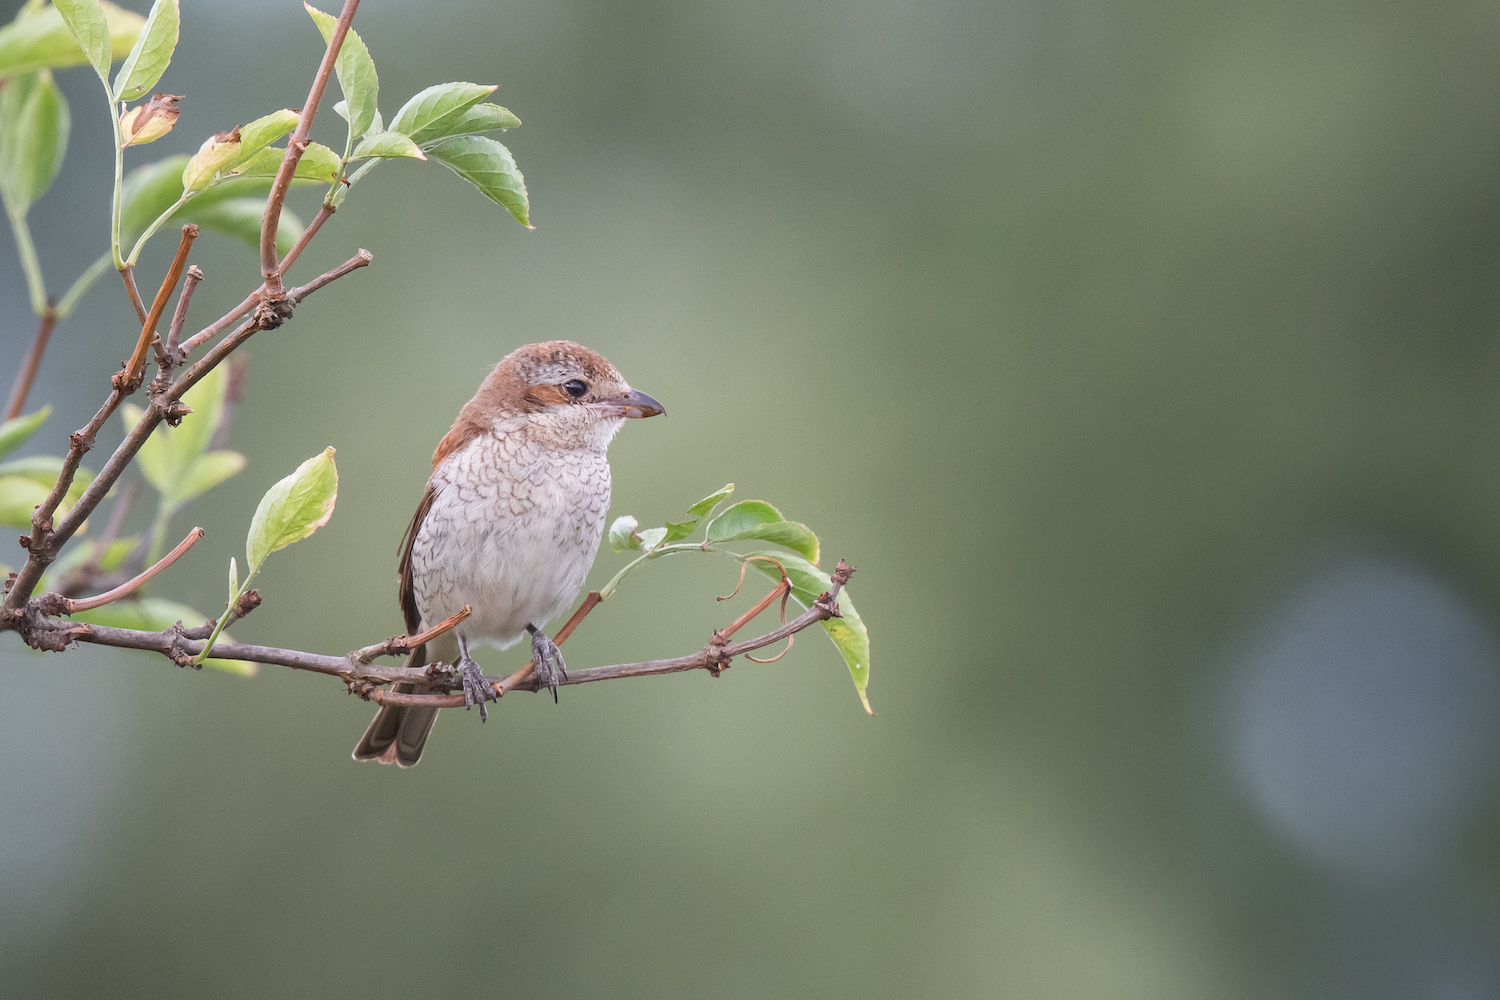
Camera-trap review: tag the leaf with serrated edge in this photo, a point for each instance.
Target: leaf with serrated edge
(387, 144)
(479, 118)
(758, 519)
(86, 23)
(43, 40)
(265, 130)
(18, 430)
(318, 163)
(487, 165)
(356, 72)
(429, 113)
(151, 54)
(293, 509)
(848, 633)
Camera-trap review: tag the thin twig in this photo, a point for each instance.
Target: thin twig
(21, 387)
(354, 263)
(269, 266)
(137, 364)
(131, 586)
(221, 324)
(305, 238)
(174, 334)
(400, 645)
(127, 274)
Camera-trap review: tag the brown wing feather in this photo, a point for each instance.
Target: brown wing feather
(404, 589)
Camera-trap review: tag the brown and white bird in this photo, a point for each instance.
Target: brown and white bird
(510, 522)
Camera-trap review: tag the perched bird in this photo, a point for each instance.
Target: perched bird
(509, 524)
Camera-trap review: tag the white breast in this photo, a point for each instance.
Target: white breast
(512, 533)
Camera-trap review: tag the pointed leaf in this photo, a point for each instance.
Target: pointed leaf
(152, 52)
(356, 71)
(204, 474)
(19, 497)
(479, 118)
(622, 534)
(318, 163)
(429, 114)
(17, 431)
(757, 519)
(34, 125)
(170, 452)
(86, 23)
(489, 166)
(387, 144)
(708, 503)
(848, 633)
(42, 39)
(234, 581)
(293, 509)
(265, 130)
(156, 615)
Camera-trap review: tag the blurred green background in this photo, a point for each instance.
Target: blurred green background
(1140, 355)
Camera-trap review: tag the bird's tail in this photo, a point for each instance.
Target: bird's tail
(398, 732)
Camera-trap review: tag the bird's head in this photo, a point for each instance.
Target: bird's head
(566, 392)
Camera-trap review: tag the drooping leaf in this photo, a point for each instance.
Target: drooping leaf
(218, 154)
(17, 431)
(265, 130)
(34, 126)
(848, 633)
(241, 218)
(489, 166)
(293, 509)
(208, 471)
(148, 191)
(152, 52)
(356, 72)
(757, 519)
(19, 497)
(707, 504)
(153, 614)
(152, 189)
(622, 533)
(86, 23)
(430, 113)
(387, 144)
(479, 118)
(42, 40)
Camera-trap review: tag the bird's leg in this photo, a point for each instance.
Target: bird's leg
(476, 691)
(546, 660)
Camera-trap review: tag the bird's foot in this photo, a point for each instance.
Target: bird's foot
(546, 661)
(476, 689)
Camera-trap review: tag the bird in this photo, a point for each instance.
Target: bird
(509, 523)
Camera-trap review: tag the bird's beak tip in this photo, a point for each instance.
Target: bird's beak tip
(636, 404)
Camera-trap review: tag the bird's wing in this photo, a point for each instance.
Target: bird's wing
(404, 588)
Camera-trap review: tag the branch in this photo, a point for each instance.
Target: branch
(306, 237)
(365, 679)
(136, 367)
(67, 605)
(269, 265)
(179, 318)
(21, 387)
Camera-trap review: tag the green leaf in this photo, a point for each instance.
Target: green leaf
(241, 218)
(293, 509)
(356, 71)
(151, 53)
(42, 40)
(44, 469)
(155, 615)
(489, 166)
(622, 534)
(757, 519)
(149, 190)
(430, 114)
(19, 497)
(34, 125)
(652, 537)
(387, 144)
(479, 118)
(318, 163)
(265, 130)
(848, 633)
(218, 154)
(708, 503)
(86, 23)
(204, 474)
(17, 431)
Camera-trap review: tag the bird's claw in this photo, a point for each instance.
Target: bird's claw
(546, 662)
(476, 689)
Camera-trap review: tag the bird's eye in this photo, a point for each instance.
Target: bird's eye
(576, 388)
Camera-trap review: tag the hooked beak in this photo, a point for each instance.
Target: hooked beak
(632, 404)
